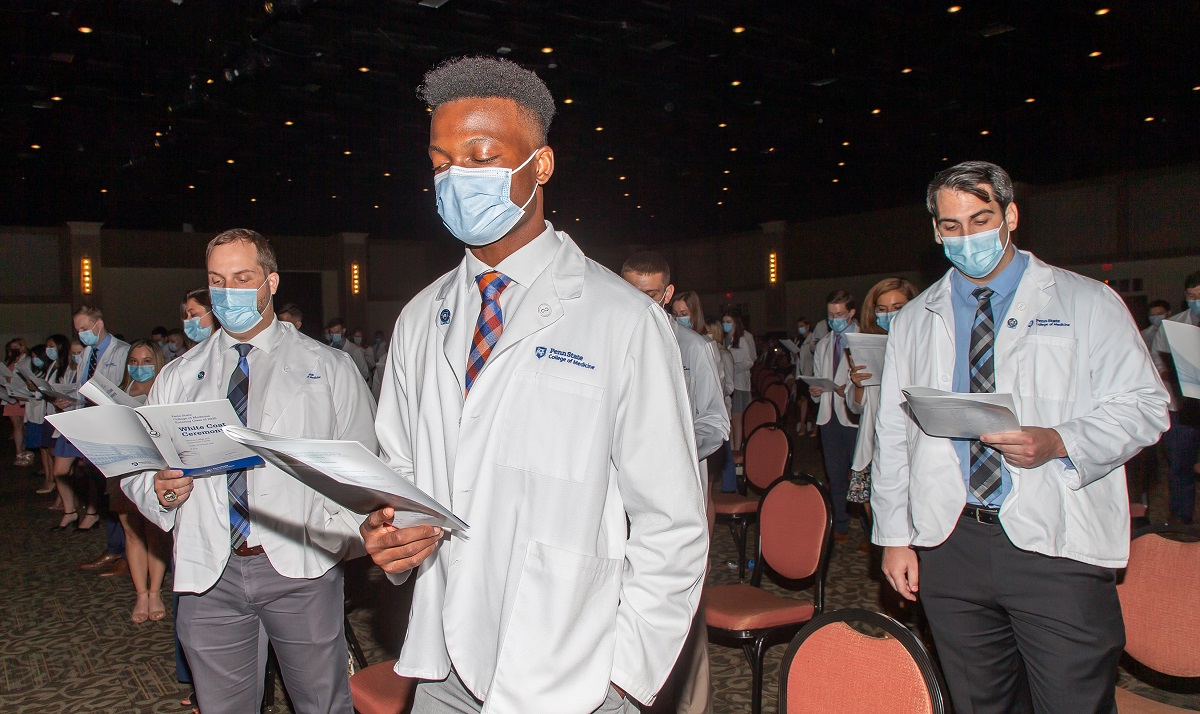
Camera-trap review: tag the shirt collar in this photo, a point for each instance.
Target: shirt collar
(103, 344)
(267, 340)
(524, 266)
(1002, 285)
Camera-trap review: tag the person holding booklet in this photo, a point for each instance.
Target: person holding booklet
(839, 432)
(881, 304)
(256, 551)
(542, 399)
(1011, 539)
(61, 369)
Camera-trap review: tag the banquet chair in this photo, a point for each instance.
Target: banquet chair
(758, 412)
(768, 459)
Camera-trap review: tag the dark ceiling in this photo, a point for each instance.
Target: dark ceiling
(142, 122)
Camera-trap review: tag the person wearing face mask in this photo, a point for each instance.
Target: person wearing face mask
(1011, 540)
(197, 315)
(337, 337)
(541, 398)
(651, 274)
(59, 369)
(257, 552)
(159, 337)
(839, 430)
(740, 344)
(1183, 438)
(880, 306)
(15, 356)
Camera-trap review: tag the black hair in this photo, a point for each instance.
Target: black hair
(840, 297)
(39, 352)
(647, 263)
(972, 177)
(63, 345)
(335, 322)
(1192, 281)
(1159, 303)
(488, 77)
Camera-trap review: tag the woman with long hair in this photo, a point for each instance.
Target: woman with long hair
(199, 322)
(15, 356)
(39, 436)
(740, 344)
(689, 312)
(717, 335)
(882, 303)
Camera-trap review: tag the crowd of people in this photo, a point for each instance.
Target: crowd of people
(569, 418)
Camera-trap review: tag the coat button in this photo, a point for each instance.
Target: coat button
(945, 378)
(544, 310)
(287, 369)
(1020, 306)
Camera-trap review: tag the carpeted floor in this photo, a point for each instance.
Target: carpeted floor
(67, 645)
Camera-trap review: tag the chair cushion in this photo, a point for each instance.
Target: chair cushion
(379, 690)
(731, 503)
(745, 607)
(1130, 703)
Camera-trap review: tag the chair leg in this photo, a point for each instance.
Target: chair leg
(356, 650)
(755, 654)
(743, 528)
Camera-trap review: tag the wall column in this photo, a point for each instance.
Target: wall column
(84, 240)
(773, 243)
(354, 264)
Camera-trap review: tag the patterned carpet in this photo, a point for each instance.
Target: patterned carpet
(67, 645)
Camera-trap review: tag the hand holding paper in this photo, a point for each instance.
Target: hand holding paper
(867, 351)
(962, 415)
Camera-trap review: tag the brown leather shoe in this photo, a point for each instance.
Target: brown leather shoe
(119, 567)
(105, 560)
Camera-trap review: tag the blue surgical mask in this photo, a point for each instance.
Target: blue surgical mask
(194, 331)
(236, 308)
(39, 362)
(884, 320)
(358, 339)
(727, 327)
(77, 358)
(378, 340)
(802, 331)
(684, 321)
(141, 372)
(334, 338)
(52, 353)
(838, 324)
(89, 338)
(975, 255)
(1156, 320)
(1194, 306)
(474, 203)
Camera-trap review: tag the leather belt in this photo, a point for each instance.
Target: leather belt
(246, 551)
(979, 514)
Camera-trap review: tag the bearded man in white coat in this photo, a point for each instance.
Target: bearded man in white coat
(540, 397)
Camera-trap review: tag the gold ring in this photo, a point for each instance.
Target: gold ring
(170, 496)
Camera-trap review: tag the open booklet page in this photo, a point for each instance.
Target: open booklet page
(100, 390)
(55, 390)
(827, 384)
(1184, 341)
(188, 437)
(959, 415)
(346, 472)
(868, 350)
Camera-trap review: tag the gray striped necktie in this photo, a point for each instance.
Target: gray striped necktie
(239, 502)
(985, 461)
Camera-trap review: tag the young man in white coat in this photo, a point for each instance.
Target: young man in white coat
(651, 274)
(539, 396)
(1183, 438)
(839, 430)
(257, 553)
(1011, 540)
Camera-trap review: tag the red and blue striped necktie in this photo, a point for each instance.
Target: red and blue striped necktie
(489, 325)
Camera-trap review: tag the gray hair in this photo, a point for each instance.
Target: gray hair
(972, 177)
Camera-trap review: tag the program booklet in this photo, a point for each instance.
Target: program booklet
(120, 440)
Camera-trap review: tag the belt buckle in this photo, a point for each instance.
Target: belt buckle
(979, 515)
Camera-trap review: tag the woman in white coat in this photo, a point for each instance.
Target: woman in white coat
(740, 344)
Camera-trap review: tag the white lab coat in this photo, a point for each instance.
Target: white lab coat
(579, 418)
(315, 392)
(744, 356)
(701, 374)
(111, 364)
(1160, 351)
(867, 410)
(359, 356)
(1071, 356)
(830, 403)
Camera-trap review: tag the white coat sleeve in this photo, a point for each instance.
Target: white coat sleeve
(659, 483)
(392, 426)
(890, 463)
(1130, 400)
(711, 421)
(140, 487)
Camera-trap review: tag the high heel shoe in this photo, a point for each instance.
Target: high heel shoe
(95, 523)
(64, 524)
(157, 609)
(141, 611)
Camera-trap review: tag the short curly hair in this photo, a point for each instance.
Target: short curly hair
(484, 77)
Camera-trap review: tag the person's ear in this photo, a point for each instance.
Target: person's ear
(1011, 216)
(670, 295)
(273, 282)
(544, 162)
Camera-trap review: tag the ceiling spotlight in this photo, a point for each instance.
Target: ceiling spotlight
(845, 143)
(158, 133)
(720, 203)
(229, 161)
(547, 50)
(736, 83)
(346, 152)
(35, 147)
(953, 8)
(254, 200)
(726, 171)
(610, 158)
(733, 148)
(1030, 100)
(738, 30)
(377, 205)
(425, 190)
(1146, 119)
(599, 128)
(985, 132)
(386, 174)
(364, 69)
(1196, 88)
(876, 111)
(945, 158)
(104, 190)
(56, 98)
(568, 100)
(85, 29)
(841, 163)
(1095, 54)
(626, 195)
(275, 7)
(835, 180)
(906, 70)
(722, 125)
(1103, 11)
(192, 186)
(289, 122)
(622, 178)
(209, 80)
(724, 188)
(334, 196)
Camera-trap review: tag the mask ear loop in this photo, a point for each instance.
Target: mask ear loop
(535, 186)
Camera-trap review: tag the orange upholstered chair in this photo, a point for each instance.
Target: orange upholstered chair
(795, 521)
(778, 394)
(893, 673)
(1160, 602)
(768, 459)
(758, 412)
(379, 690)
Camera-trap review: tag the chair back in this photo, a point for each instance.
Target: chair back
(758, 412)
(757, 373)
(767, 455)
(893, 673)
(1159, 598)
(795, 525)
(777, 393)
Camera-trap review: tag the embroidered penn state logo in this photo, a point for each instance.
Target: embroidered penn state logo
(1030, 324)
(444, 317)
(540, 352)
(313, 376)
(200, 375)
(1012, 323)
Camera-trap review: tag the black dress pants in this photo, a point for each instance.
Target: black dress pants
(1018, 631)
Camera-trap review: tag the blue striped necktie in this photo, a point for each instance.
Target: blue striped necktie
(985, 461)
(239, 505)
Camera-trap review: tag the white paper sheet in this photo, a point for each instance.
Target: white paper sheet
(58, 390)
(791, 346)
(348, 473)
(868, 351)
(189, 437)
(827, 384)
(959, 415)
(100, 390)
(1184, 341)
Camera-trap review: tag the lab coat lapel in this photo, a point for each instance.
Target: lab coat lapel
(939, 303)
(542, 304)
(456, 323)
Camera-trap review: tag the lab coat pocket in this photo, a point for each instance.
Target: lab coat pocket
(549, 425)
(309, 414)
(1046, 367)
(559, 642)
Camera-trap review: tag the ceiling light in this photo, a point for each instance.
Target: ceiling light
(726, 170)
(104, 190)
(386, 174)
(576, 219)
(254, 200)
(85, 29)
(876, 111)
(1030, 100)
(627, 195)
(209, 80)
(425, 190)
(985, 132)
(599, 128)
(1103, 11)
(289, 122)
(377, 205)
(158, 133)
(722, 125)
(724, 188)
(35, 147)
(733, 148)
(568, 100)
(835, 180)
(346, 152)
(229, 161)
(364, 69)
(736, 83)
(547, 50)
(56, 98)
(954, 8)
(845, 143)
(720, 203)
(841, 163)
(906, 70)
(639, 206)
(334, 196)
(1196, 88)
(738, 30)
(192, 186)
(1146, 119)
(1095, 54)
(945, 158)
(610, 158)
(622, 178)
